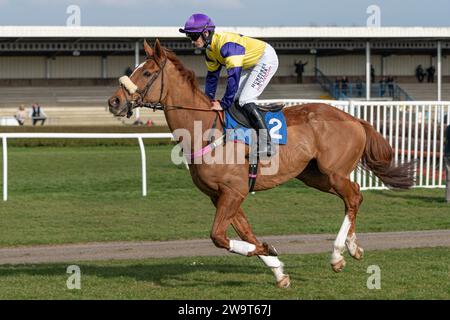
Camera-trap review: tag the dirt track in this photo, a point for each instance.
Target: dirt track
(187, 248)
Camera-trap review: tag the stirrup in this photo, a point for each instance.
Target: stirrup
(266, 152)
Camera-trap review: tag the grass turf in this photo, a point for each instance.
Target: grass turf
(93, 193)
(405, 274)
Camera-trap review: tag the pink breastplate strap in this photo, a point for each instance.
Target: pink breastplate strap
(210, 147)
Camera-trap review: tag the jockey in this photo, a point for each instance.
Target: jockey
(250, 64)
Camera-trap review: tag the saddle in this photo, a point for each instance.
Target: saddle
(239, 115)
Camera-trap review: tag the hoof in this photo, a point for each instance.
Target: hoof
(338, 266)
(270, 249)
(359, 254)
(285, 282)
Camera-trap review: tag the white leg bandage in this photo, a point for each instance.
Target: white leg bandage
(275, 264)
(270, 261)
(339, 243)
(351, 244)
(241, 247)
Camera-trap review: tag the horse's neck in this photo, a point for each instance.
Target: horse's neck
(182, 95)
(183, 116)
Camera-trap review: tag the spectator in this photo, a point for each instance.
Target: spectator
(128, 71)
(382, 86)
(299, 69)
(21, 115)
(337, 88)
(390, 84)
(344, 86)
(37, 114)
(430, 74)
(420, 74)
(359, 87)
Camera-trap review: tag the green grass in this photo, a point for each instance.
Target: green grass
(81, 194)
(405, 274)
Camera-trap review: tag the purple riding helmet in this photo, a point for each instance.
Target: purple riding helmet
(198, 22)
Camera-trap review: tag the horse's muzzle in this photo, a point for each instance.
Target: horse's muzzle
(114, 104)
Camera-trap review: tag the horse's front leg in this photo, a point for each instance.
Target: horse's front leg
(244, 230)
(227, 204)
(228, 211)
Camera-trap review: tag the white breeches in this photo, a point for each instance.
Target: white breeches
(254, 80)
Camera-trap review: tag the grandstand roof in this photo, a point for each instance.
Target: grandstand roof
(261, 32)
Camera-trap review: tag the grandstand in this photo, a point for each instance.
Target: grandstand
(426, 91)
(71, 71)
(80, 105)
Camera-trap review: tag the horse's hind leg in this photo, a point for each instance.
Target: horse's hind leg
(350, 194)
(353, 247)
(244, 230)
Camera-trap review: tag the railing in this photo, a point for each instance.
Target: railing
(402, 94)
(139, 136)
(414, 129)
(340, 91)
(326, 84)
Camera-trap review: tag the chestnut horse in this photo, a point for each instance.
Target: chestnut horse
(324, 146)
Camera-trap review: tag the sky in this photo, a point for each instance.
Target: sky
(431, 13)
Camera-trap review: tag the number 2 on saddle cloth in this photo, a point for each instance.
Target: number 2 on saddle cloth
(238, 129)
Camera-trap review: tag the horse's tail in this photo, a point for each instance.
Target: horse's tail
(378, 158)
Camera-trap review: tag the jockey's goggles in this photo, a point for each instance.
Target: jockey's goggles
(193, 35)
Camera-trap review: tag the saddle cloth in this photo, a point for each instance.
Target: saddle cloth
(238, 128)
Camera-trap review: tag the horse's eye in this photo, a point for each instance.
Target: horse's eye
(147, 73)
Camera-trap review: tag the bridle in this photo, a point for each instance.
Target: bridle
(137, 98)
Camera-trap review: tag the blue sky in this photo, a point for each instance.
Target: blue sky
(227, 12)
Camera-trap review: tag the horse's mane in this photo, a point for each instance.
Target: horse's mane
(186, 73)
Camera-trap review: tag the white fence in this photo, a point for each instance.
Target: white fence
(415, 130)
(6, 136)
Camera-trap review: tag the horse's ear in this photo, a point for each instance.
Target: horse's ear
(148, 50)
(160, 54)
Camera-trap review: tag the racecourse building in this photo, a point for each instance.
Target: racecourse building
(104, 52)
(58, 56)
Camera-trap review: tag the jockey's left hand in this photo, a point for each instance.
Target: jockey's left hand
(215, 105)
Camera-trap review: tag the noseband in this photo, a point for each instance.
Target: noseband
(138, 96)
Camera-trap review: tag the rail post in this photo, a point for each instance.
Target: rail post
(5, 169)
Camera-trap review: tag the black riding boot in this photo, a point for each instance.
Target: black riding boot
(251, 109)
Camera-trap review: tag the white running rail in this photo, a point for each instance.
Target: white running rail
(139, 136)
(414, 129)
